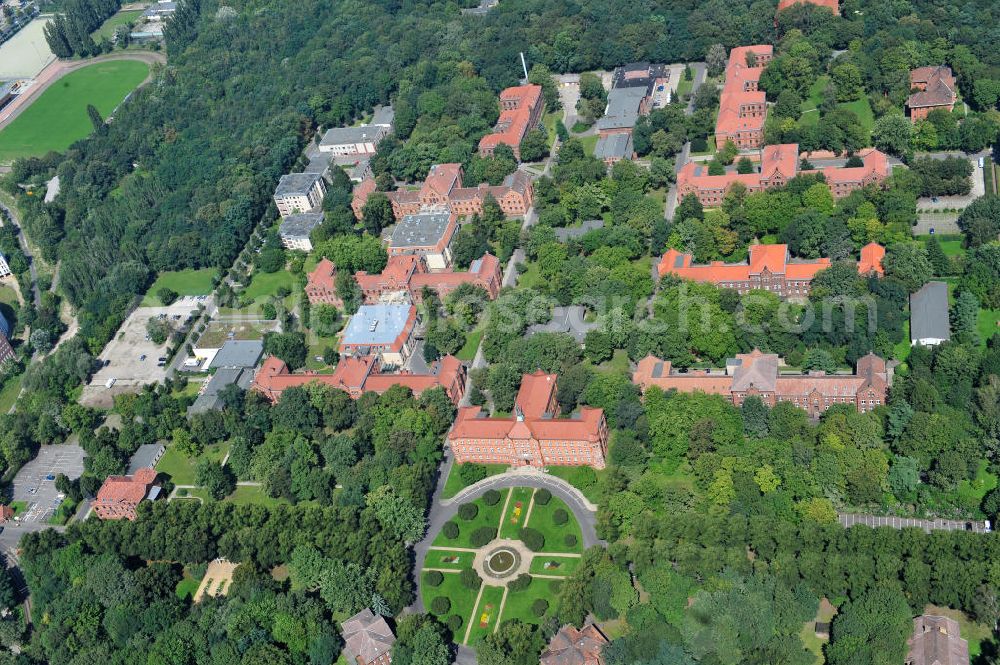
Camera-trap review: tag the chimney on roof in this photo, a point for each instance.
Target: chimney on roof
(518, 413)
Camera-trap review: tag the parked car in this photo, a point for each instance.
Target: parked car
(50, 477)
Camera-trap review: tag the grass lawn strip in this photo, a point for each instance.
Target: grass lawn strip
(566, 565)
(503, 603)
(435, 559)
(518, 605)
(555, 534)
(455, 484)
(58, 118)
(487, 516)
(513, 519)
(487, 614)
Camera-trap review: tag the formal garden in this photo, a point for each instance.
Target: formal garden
(503, 556)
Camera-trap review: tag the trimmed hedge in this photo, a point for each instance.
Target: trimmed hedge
(483, 535)
(540, 607)
(440, 605)
(520, 583)
(560, 516)
(470, 579)
(434, 577)
(450, 530)
(532, 539)
(468, 511)
(570, 540)
(542, 497)
(454, 622)
(491, 497)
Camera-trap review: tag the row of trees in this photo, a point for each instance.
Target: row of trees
(68, 34)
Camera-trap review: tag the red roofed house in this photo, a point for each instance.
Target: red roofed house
(6, 513)
(119, 495)
(534, 435)
(356, 376)
(575, 647)
(832, 5)
(368, 639)
(756, 373)
(933, 88)
(408, 274)
(321, 284)
(520, 110)
(443, 191)
(778, 165)
(742, 107)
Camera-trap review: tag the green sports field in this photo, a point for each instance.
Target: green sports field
(59, 116)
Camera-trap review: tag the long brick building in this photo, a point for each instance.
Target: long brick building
(534, 435)
(443, 190)
(359, 375)
(742, 106)
(769, 268)
(521, 110)
(757, 373)
(408, 275)
(779, 164)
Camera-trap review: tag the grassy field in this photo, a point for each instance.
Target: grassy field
(581, 477)
(810, 106)
(518, 605)
(58, 118)
(589, 143)
(553, 565)
(513, 519)
(185, 282)
(248, 494)
(555, 534)
(108, 28)
(452, 560)
(265, 285)
(486, 615)
(863, 110)
(460, 597)
(454, 484)
(989, 324)
(684, 86)
(8, 394)
(8, 296)
(468, 350)
(187, 586)
(487, 516)
(181, 469)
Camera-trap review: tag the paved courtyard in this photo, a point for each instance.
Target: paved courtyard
(31, 484)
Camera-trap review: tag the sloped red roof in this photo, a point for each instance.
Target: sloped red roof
(871, 259)
(513, 123)
(126, 490)
(323, 276)
(535, 393)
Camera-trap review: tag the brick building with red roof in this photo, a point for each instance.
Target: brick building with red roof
(359, 375)
(757, 373)
(576, 647)
(521, 110)
(443, 190)
(534, 435)
(321, 284)
(933, 88)
(779, 164)
(408, 274)
(769, 268)
(742, 106)
(120, 495)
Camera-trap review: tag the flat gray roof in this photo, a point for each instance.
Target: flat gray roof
(145, 457)
(623, 108)
(568, 320)
(300, 225)
(225, 376)
(929, 312)
(565, 233)
(238, 353)
(318, 163)
(384, 116)
(344, 135)
(614, 146)
(376, 325)
(296, 184)
(424, 230)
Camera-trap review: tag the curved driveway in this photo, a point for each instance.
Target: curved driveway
(60, 68)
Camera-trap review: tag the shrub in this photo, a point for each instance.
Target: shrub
(454, 622)
(491, 497)
(440, 605)
(560, 516)
(555, 586)
(520, 583)
(532, 539)
(468, 511)
(450, 530)
(434, 578)
(570, 540)
(471, 473)
(483, 535)
(542, 497)
(540, 607)
(470, 579)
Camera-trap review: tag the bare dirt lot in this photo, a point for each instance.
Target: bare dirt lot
(130, 358)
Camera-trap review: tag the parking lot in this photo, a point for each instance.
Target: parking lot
(32, 484)
(131, 359)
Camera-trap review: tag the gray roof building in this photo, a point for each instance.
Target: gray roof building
(614, 147)
(145, 457)
(569, 320)
(238, 353)
(376, 325)
(573, 232)
(384, 116)
(318, 163)
(223, 377)
(296, 184)
(367, 638)
(361, 134)
(929, 314)
(423, 230)
(936, 640)
(298, 226)
(623, 108)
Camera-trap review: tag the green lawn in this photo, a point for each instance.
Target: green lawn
(971, 492)
(248, 494)
(107, 29)
(513, 519)
(553, 565)
(8, 296)
(188, 282)
(518, 605)
(531, 277)
(810, 106)
(486, 615)
(542, 520)
(684, 86)
(266, 284)
(468, 350)
(902, 349)
(187, 586)
(454, 483)
(815, 97)
(460, 597)
(549, 120)
(58, 118)
(316, 349)
(452, 560)
(181, 469)
(487, 516)
(589, 143)
(583, 478)
(8, 394)
(863, 109)
(619, 363)
(989, 324)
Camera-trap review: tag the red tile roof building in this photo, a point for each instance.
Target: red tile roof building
(368, 639)
(443, 191)
(779, 164)
(409, 274)
(742, 107)
(356, 376)
(769, 268)
(120, 495)
(576, 647)
(832, 5)
(935, 89)
(6, 513)
(520, 111)
(321, 284)
(534, 435)
(756, 373)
